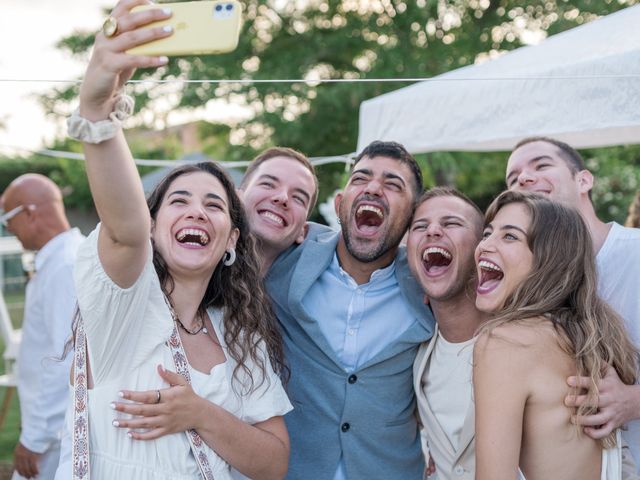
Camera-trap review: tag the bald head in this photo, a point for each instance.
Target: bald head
(31, 188)
(43, 216)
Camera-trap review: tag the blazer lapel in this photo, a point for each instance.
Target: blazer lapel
(424, 353)
(434, 429)
(468, 433)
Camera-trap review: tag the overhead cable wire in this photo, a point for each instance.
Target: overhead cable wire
(440, 78)
(316, 161)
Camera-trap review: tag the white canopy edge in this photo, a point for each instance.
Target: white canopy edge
(581, 86)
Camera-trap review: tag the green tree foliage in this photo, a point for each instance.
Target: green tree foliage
(359, 39)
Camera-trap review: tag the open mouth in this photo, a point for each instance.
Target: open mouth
(192, 236)
(436, 260)
(273, 218)
(490, 276)
(369, 218)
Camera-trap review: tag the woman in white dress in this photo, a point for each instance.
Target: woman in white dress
(536, 274)
(183, 263)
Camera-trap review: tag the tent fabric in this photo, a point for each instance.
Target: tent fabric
(581, 86)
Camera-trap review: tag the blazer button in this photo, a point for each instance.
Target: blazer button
(459, 470)
(352, 379)
(345, 427)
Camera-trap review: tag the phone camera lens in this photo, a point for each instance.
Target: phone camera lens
(229, 7)
(218, 8)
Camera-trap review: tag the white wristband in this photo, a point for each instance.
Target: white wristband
(81, 129)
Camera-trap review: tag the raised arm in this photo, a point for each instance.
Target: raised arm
(115, 184)
(500, 400)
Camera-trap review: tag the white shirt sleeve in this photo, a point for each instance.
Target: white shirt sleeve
(123, 325)
(40, 429)
(269, 399)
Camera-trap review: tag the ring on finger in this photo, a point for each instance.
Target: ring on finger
(110, 26)
(158, 397)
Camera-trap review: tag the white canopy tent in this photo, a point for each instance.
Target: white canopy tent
(581, 86)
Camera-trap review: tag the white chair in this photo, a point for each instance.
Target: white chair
(10, 336)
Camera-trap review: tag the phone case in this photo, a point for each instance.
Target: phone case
(199, 28)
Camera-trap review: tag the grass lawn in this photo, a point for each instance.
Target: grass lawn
(10, 431)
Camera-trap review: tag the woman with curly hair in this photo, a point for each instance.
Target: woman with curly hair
(536, 275)
(171, 283)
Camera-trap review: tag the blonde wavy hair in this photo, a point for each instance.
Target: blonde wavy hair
(562, 287)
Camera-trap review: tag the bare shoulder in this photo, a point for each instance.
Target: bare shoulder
(515, 341)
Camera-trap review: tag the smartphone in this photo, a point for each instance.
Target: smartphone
(199, 28)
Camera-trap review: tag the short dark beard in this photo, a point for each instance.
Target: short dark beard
(384, 245)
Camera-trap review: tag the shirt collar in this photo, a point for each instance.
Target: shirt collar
(377, 276)
(51, 247)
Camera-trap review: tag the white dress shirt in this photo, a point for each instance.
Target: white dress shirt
(43, 378)
(359, 321)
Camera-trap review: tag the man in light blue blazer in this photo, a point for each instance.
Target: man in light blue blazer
(352, 319)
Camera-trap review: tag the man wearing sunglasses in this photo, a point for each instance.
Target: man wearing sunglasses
(35, 215)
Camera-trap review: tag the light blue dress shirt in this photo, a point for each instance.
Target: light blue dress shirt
(358, 321)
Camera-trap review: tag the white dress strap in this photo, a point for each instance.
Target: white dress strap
(612, 461)
(182, 368)
(80, 444)
(80, 448)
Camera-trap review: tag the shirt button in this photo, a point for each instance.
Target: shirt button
(353, 379)
(459, 470)
(345, 427)
(351, 331)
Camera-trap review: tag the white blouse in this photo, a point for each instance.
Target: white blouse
(127, 330)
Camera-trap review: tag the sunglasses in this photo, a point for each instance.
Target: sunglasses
(5, 217)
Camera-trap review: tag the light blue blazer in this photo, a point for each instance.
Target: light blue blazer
(366, 416)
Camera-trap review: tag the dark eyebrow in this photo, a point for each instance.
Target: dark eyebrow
(181, 192)
(393, 176)
(386, 175)
(296, 189)
(364, 171)
(186, 193)
(215, 196)
(531, 161)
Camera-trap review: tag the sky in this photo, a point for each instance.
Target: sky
(29, 30)
(28, 33)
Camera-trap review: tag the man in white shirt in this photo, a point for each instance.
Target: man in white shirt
(555, 169)
(35, 214)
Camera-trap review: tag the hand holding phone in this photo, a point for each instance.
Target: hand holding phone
(199, 28)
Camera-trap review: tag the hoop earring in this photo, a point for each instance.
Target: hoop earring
(229, 257)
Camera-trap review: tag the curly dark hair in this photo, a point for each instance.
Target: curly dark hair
(237, 289)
